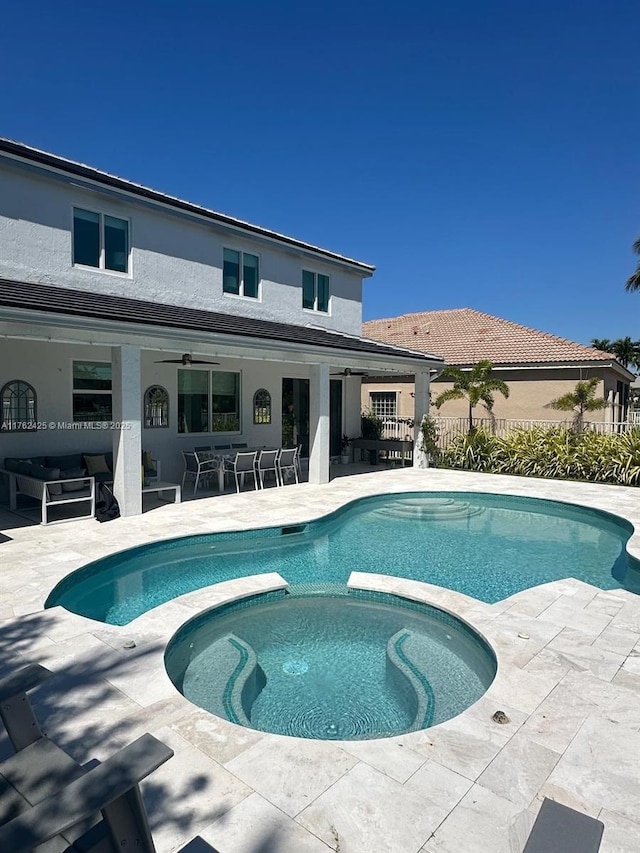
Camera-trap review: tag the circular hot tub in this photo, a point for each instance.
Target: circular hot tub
(341, 667)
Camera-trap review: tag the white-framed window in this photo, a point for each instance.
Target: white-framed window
(384, 403)
(100, 241)
(156, 407)
(92, 391)
(18, 407)
(240, 273)
(208, 401)
(315, 291)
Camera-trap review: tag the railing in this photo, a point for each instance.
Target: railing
(449, 428)
(399, 428)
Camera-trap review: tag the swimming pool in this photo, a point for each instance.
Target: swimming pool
(342, 667)
(484, 545)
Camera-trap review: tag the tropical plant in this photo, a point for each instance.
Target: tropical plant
(557, 452)
(372, 425)
(626, 351)
(582, 399)
(473, 451)
(603, 344)
(633, 282)
(429, 433)
(473, 385)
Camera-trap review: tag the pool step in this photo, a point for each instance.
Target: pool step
(428, 509)
(307, 589)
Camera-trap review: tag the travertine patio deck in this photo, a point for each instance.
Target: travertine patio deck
(571, 688)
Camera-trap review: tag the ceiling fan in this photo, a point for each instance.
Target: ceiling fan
(348, 372)
(185, 360)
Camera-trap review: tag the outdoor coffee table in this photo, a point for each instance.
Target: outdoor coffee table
(160, 487)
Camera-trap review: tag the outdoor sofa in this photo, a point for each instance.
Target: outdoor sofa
(61, 480)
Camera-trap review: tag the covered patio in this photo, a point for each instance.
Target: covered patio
(101, 374)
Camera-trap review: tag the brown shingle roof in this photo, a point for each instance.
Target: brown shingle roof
(81, 303)
(463, 336)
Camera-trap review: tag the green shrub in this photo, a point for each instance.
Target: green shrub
(371, 425)
(557, 452)
(473, 451)
(429, 433)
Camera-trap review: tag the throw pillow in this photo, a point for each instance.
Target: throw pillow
(72, 474)
(96, 465)
(42, 473)
(14, 465)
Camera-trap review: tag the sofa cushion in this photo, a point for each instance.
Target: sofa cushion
(64, 463)
(47, 474)
(96, 464)
(15, 465)
(73, 474)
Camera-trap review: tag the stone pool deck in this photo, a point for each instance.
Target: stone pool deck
(568, 680)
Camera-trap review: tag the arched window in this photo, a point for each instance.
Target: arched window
(262, 406)
(18, 405)
(156, 407)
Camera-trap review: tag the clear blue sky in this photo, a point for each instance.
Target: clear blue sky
(481, 154)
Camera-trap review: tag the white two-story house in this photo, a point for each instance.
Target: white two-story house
(131, 320)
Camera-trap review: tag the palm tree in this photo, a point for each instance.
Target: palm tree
(473, 385)
(626, 351)
(603, 344)
(582, 399)
(633, 282)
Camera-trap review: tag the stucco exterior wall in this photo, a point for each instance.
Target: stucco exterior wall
(530, 392)
(48, 368)
(174, 259)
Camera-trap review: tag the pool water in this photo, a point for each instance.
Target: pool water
(486, 546)
(323, 665)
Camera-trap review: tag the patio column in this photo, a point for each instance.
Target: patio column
(319, 423)
(421, 410)
(127, 440)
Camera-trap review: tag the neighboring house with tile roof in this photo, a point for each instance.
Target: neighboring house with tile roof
(538, 367)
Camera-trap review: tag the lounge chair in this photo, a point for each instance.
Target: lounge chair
(50, 804)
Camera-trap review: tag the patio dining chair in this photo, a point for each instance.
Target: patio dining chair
(298, 450)
(198, 469)
(241, 465)
(268, 461)
(287, 465)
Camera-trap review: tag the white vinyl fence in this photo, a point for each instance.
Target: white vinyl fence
(448, 428)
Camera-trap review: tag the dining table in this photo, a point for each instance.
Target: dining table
(222, 456)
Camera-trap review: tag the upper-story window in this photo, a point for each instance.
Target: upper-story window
(315, 291)
(240, 273)
(18, 407)
(100, 241)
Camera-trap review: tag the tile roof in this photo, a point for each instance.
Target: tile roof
(71, 167)
(463, 336)
(81, 303)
